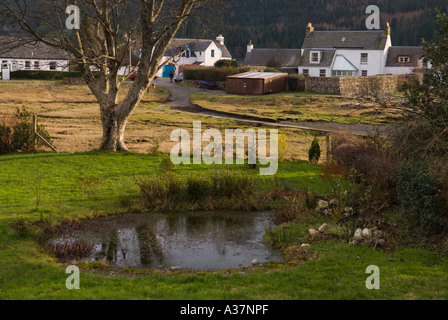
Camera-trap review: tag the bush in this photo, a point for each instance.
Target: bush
(314, 151)
(212, 74)
(226, 64)
(296, 82)
(418, 192)
(17, 133)
(272, 70)
(44, 75)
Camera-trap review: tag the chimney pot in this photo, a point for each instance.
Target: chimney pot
(309, 28)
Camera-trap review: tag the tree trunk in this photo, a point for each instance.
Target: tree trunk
(114, 124)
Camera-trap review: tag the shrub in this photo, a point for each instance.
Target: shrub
(212, 74)
(314, 151)
(418, 192)
(44, 75)
(296, 82)
(226, 64)
(17, 133)
(272, 70)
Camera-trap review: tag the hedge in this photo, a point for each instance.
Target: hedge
(44, 75)
(296, 82)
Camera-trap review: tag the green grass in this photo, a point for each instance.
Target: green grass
(27, 272)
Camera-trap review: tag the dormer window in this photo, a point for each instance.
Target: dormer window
(315, 57)
(404, 59)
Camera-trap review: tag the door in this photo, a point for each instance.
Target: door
(167, 69)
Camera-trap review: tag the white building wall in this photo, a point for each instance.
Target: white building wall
(45, 65)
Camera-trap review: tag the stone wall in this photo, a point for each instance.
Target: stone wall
(357, 86)
(323, 85)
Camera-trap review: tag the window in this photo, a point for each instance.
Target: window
(27, 64)
(213, 53)
(314, 57)
(306, 71)
(36, 65)
(404, 59)
(322, 72)
(364, 73)
(364, 57)
(52, 65)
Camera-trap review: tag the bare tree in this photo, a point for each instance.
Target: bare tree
(109, 28)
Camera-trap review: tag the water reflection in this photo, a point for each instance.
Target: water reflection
(206, 241)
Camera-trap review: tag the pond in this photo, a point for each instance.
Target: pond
(196, 241)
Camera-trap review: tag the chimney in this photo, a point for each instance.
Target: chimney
(309, 29)
(250, 46)
(387, 30)
(220, 39)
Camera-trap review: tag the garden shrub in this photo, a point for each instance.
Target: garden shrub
(16, 133)
(226, 64)
(314, 151)
(296, 82)
(418, 192)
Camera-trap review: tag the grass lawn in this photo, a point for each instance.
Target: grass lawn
(46, 186)
(298, 107)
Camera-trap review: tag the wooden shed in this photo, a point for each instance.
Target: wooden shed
(256, 83)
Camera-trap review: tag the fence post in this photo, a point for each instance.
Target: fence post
(34, 137)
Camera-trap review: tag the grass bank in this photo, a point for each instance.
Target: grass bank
(84, 185)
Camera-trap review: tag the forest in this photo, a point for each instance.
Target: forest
(282, 23)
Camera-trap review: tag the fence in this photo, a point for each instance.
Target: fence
(10, 119)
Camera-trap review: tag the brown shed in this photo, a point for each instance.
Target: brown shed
(256, 83)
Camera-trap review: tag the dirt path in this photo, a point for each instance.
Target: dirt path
(180, 101)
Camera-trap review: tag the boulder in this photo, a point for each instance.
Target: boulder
(255, 262)
(358, 235)
(366, 233)
(313, 232)
(322, 204)
(323, 228)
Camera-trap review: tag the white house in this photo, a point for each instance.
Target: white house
(342, 54)
(193, 52)
(18, 54)
(356, 53)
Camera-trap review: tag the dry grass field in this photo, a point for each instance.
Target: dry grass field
(71, 116)
(300, 107)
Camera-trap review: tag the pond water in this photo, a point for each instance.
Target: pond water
(198, 241)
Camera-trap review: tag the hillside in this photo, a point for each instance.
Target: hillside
(282, 23)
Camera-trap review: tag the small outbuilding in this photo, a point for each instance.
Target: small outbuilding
(256, 83)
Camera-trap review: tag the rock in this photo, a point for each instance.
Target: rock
(255, 262)
(358, 235)
(318, 210)
(348, 210)
(323, 228)
(322, 204)
(328, 212)
(313, 232)
(366, 233)
(305, 245)
(333, 202)
(377, 234)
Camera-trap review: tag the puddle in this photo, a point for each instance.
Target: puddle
(199, 241)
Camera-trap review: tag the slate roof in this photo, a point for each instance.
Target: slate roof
(17, 48)
(176, 46)
(325, 60)
(394, 52)
(367, 40)
(287, 58)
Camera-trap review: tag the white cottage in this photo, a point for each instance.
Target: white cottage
(24, 54)
(356, 53)
(193, 52)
